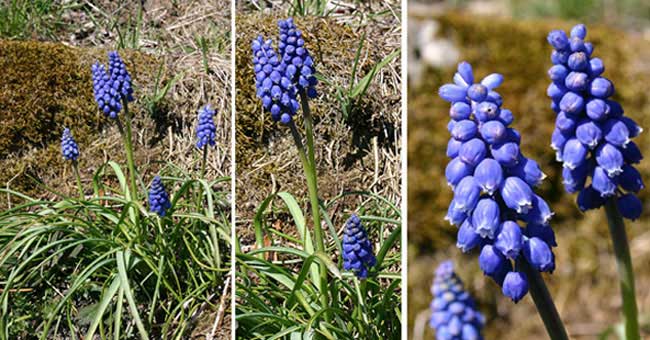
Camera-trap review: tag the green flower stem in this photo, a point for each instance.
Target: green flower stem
(126, 135)
(312, 185)
(204, 161)
(544, 303)
(625, 270)
(310, 174)
(75, 168)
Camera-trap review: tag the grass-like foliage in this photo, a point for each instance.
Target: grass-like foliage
(278, 292)
(103, 264)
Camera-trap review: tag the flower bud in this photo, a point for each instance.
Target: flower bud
(473, 151)
(507, 154)
(539, 255)
(491, 261)
(589, 198)
(630, 179)
(457, 170)
(601, 87)
(493, 132)
(616, 132)
(453, 93)
(558, 40)
(466, 194)
(467, 238)
(464, 130)
(485, 218)
(630, 206)
(460, 111)
(589, 133)
(528, 170)
(489, 175)
(477, 92)
(492, 81)
(571, 103)
(486, 111)
(604, 184)
(517, 195)
(597, 109)
(610, 159)
(574, 154)
(515, 286)
(510, 240)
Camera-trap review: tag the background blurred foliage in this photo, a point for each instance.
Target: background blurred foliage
(519, 51)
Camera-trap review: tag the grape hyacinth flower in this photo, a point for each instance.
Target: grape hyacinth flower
(69, 147)
(358, 255)
(281, 76)
(205, 131)
(494, 204)
(112, 86)
(592, 137)
(454, 315)
(158, 197)
(277, 92)
(299, 66)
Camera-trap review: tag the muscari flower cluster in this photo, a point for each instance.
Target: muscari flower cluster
(158, 197)
(492, 183)
(280, 77)
(357, 248)
(69, 147)
(454, 315)
(113, 86)
(591, 136)
(205, 131)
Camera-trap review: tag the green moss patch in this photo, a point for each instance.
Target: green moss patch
(44, 88)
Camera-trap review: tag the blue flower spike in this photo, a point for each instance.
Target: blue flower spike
(299, 66)
(358, 255)
(69, 147)
(158, 198)
(494, 204)
(205, 130)
(281, 75)
(112, 86)
(454, 315)
(592, 137)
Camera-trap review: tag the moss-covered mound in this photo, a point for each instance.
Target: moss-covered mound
(44, 87)
(346, 153)
(519, 51)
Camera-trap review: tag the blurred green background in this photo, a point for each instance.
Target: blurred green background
(509, 37)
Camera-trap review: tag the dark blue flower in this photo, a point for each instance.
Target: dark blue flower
(515, 286)
(454, 315)
(296, 58)
(111, 87)
(120, 77)
(494, 204)
(205, 130)
(274, 88)
(107, 97)
(358, 255)
(69, 147)
(592, 137)
(158, 197)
